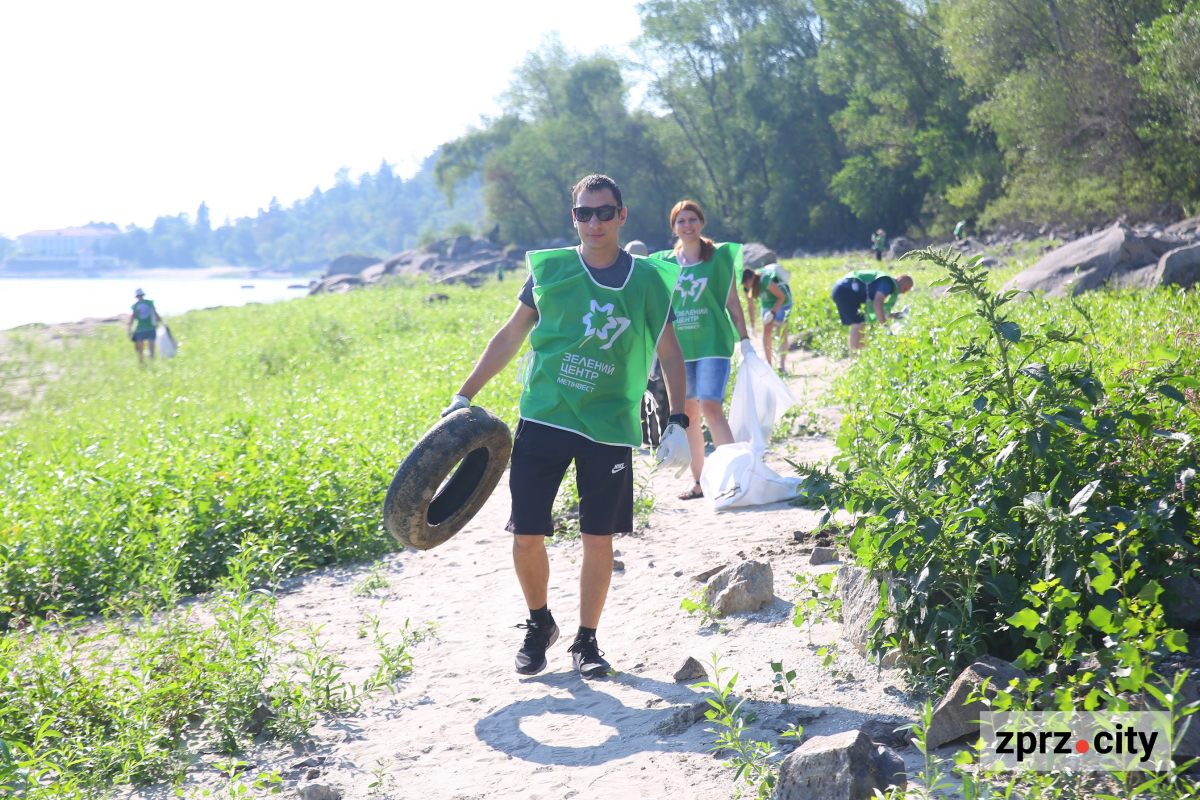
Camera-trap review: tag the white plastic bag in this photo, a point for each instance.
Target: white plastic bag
(760, 399)
(165, 342)
(735, 475)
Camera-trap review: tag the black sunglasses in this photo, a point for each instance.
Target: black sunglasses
(605, 213)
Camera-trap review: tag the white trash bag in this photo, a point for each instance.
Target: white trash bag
(735, 475)
(165, 342)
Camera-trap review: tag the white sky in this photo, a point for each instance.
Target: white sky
(121, 110)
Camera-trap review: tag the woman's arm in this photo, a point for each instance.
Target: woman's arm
(501, 349)
(780, 297)
(734, 306)
(670, 357)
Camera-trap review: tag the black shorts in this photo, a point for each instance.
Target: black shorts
(849, 303)
(603, 474)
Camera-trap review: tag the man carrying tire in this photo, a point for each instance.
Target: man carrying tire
(595, 317)
(870, 288)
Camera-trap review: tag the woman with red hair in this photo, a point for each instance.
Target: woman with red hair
(708, 313)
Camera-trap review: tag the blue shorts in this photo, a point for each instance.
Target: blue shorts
(144, 336)
(782, 314)
(706, 378)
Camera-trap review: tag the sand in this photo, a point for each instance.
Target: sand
(465, 725)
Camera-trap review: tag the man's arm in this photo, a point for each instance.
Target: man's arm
(501, 349)
(670, 357)
(734, 306)
(877, 303)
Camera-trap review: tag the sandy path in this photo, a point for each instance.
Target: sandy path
(464, 725)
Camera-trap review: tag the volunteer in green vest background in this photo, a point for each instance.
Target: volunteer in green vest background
(145, 317)
(769, 286)
(706, 302)
(872, 288)
(595, 317)
(879, 244)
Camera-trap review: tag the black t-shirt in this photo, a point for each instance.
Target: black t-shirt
(867, 291)
(613, 277)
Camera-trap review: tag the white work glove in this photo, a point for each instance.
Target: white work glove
(673, 450)
(459, 401)
(768, 316)
(747, 348)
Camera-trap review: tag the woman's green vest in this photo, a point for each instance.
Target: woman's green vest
(769, 275)
(592, 346)
(867, 276)
(702, 322)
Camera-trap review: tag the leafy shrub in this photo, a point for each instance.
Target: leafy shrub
(1016, 460)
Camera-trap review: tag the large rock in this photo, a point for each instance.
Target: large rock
(1116, 254)
(1179, 267)
(845, 766)
(899, 246)
(747, 586)
(692, 670)
(637, 248)
(464, 258)
(954, 717)
(350, 264)
(755, 256)
(336, 284)
(318, 791)
(860, 592)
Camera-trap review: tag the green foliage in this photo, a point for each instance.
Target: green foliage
(274, 433)
(782, 681)
(1027, 460)
(376, 579)
(754, 766)
(698, 604)
(131, 700)
(816, 599)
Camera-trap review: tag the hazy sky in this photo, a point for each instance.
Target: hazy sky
(121, 110)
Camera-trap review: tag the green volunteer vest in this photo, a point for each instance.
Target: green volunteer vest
(702, 323)
(866, 276)
(765, 297)
(143, 312)
(592, 346)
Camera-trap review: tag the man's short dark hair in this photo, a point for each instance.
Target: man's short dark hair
(595, 182)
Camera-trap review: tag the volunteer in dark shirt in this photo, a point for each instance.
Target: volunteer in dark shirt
(867, 295)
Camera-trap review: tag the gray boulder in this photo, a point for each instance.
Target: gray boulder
(954, 717)
(823, 555)
(637, 248)
(755, 256)
(845, 766)
(463, 259)
(859, 592)
(1185, 227)
(350, 264)
(336, 284)
(703, 575)
(899, 246)
(1116, 254)
(692, 670)
(744, 587)
(318, 791)
(1179, 267)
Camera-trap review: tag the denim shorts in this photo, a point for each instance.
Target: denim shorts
(144, 336)
(783, 313)
(706, 379)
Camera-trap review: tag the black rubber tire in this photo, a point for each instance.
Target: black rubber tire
(419, 515)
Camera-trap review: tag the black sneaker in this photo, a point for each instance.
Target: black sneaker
(531, 658)
(587, 658)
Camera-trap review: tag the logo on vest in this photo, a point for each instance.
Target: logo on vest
(601, 322)
(694, 286)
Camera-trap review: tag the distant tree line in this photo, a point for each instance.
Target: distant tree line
(378, 214)
(813, 122)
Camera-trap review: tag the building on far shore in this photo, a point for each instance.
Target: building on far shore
(67, 250)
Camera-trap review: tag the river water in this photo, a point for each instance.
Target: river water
(51, 300)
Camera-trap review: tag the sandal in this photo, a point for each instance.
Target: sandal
(691, 494)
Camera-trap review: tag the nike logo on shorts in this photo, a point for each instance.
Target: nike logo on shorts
(617, 468)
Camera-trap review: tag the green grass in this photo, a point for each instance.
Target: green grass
(275, 432)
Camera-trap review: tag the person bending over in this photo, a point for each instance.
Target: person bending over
(771, 289)
(867, 295)
(706, 302)
(595, 317)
